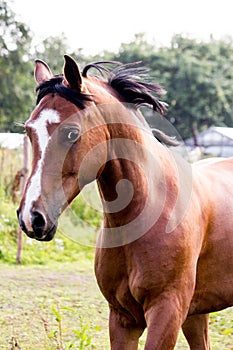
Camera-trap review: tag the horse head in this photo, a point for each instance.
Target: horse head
(70, 137)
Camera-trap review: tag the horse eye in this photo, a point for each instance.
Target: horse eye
(70, 135)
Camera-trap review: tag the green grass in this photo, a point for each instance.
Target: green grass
(43, 307)
(65, 247)
(51, 301)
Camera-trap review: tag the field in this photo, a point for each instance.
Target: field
(59, 306)
(51, 300)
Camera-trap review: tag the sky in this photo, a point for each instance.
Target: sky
(98, 25)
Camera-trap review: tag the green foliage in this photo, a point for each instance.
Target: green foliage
(10, 161)
(197, 75)
(8, 232)
(86, 213)
(65, 247)
(197, 84)
(82, 336)
(14, 34)
(220, 325)
(137, 50)
(51, 50)
(15, 70)
(60, 249)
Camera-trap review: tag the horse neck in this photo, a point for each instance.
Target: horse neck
(132, 176)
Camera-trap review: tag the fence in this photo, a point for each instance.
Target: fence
(14, 166)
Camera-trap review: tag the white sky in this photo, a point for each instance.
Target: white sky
(98, 25)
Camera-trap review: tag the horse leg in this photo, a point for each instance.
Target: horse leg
(164, 320)
(122, 337)
(195, 329)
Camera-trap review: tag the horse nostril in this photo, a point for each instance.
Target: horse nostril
(20, 220)
(38, 223)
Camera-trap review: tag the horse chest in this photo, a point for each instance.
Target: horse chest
(111, 272)
(116, 284)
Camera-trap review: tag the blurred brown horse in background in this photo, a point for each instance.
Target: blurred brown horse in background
(164, 254)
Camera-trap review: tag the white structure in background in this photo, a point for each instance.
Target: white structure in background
(11, 140)
(215, 141)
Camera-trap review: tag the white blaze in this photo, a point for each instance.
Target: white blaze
(46, 117)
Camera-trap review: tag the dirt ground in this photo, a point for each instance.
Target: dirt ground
(28, 296)
(31, 298)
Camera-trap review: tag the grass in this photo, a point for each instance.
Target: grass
(38, 304)
(41, 303)
(51, 301)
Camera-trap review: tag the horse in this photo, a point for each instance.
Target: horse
(163, 257)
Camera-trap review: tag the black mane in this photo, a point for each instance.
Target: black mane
(55, 85)
(126, 79)
(129, 81)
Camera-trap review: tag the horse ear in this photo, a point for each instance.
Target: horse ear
(72, 74)
(42, 72)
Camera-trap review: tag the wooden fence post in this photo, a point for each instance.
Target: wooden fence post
(23, 181)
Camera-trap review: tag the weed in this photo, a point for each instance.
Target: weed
(82, 336)
(14, 344)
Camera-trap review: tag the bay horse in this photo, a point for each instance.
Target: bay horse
(164, 254)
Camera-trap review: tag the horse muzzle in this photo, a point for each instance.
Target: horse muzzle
(40, 229)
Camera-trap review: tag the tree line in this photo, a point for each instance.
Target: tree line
(197, 75)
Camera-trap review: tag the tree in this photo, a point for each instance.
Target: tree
(199, 84)
(197, 75)
(51, 50)
(15, 81)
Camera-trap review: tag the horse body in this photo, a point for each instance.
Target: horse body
(214, 272)
(190, 260)
(163, 257)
